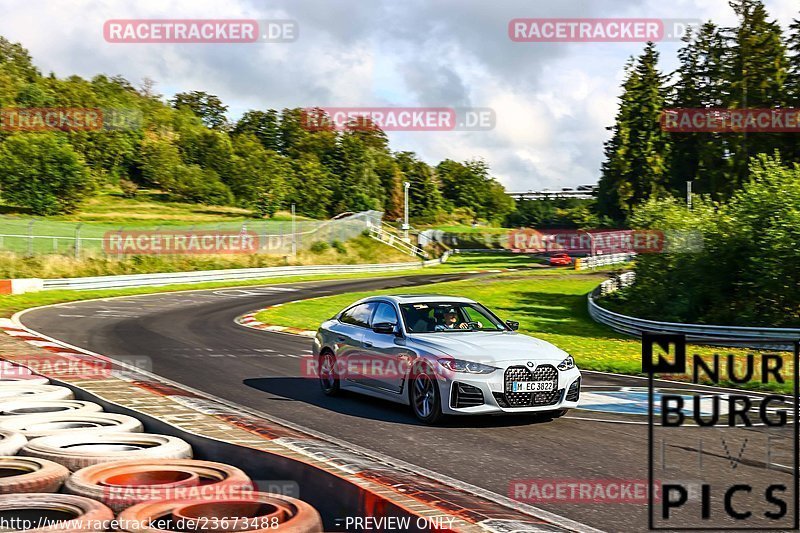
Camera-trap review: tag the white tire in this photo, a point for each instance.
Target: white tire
(79, 450)
(33, 426)
(22, 391)
(30, 474)
(11, 442)
(46, 407)
(80, 514)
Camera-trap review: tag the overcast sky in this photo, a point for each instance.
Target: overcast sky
(553, 101)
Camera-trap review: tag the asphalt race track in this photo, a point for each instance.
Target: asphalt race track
(191, 338)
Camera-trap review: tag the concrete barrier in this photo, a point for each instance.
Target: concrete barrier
(20, 285)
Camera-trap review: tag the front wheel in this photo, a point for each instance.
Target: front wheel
(328, 377)
(424, 395)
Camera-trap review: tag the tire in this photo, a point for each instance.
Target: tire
(14, 391)
(11, 442)
(79, 450)
(33, 426)
(267, 512)
(423, 391)
(122, 484)
(46, 407)
(328, 376)
(54, 510)
(29, 474)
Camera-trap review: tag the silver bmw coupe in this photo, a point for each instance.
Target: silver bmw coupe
(443, 355)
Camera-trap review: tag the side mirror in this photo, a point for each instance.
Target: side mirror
(384, 328)
(513, 324)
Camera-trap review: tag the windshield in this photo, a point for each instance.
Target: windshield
(443, 317)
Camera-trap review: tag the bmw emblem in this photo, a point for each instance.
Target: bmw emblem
(530, 364)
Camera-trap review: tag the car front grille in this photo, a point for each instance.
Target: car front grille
(463, 395)
(574, 392)
(530, 399)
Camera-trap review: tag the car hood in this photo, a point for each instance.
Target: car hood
(489, 346)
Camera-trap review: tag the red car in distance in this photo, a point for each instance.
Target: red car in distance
(560, 259)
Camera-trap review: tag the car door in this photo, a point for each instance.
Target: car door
(348, 334)
(388, 360)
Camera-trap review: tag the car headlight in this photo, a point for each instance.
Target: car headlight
(567, 364)
(467, 367)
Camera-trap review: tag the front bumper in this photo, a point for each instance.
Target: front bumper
(475, 394)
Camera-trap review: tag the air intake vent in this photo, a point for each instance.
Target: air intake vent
(463, 395)
(574, 391)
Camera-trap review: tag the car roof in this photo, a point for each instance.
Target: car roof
(417, 298)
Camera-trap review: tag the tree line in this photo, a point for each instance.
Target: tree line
(265, 161)
(751, 65)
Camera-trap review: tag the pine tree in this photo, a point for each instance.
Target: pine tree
(635, 168)
(757, 67)
(700, 157)
(792, 151)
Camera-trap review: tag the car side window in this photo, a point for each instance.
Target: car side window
(384, 313)
(358, 315)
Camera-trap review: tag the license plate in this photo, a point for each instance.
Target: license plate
(532, 386)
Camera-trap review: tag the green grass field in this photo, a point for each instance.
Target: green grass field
(110, 212)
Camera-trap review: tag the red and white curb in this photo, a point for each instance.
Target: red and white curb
(249, 320)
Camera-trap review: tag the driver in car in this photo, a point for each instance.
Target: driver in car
(450, 321)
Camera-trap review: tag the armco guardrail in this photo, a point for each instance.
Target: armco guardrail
(710, 334)
(170, 278)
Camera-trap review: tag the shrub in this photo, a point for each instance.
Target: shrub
(44, 173)
(319, 247)
(129, 188)
(339, 247)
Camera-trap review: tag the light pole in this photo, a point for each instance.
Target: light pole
(406, 185)
(294, 233)
(689, 194)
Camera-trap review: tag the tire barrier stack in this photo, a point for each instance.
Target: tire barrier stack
(66, 465)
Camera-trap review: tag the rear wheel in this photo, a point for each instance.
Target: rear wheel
(424, 395)
(328, 377)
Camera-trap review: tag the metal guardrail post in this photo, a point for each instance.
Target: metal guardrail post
(30, 237)
(78, 241)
